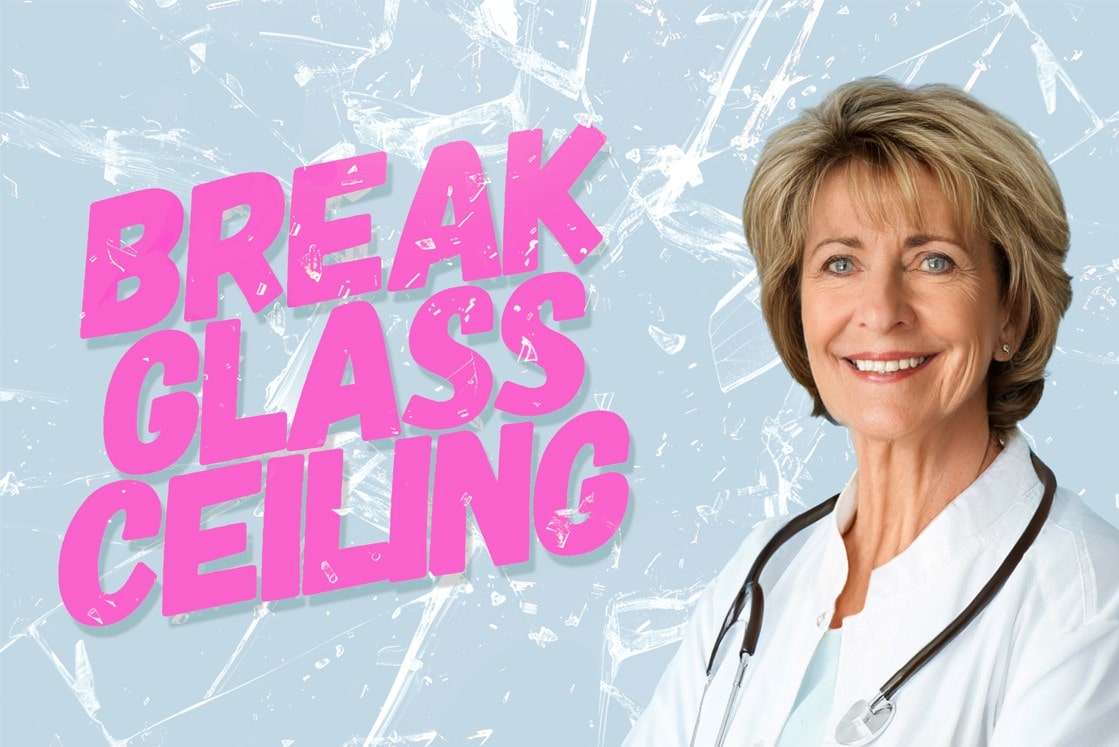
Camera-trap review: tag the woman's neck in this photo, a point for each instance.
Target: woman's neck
(902, 486)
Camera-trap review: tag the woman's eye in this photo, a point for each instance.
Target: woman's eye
(840, 265)
(936, 263)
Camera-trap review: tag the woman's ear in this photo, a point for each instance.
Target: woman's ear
(1011, 331)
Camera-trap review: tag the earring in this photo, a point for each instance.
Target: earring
(1006, 350)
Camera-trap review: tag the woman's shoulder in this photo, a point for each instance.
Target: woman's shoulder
(1077, 564)
(739, 563)
(1064, 645)
(731, 577)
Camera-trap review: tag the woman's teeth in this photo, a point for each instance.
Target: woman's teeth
(889, 366)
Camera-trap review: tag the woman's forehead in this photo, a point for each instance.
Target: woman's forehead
(910, 196)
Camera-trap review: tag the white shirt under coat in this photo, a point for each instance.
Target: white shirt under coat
(1039, 666)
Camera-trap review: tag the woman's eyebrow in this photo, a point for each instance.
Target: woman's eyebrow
(848, 241)
(920, 239)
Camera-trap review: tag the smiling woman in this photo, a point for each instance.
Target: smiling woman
(910, 245)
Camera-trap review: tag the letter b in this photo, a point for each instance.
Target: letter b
(108, 262)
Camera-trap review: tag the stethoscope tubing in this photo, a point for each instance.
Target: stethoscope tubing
(752, 589)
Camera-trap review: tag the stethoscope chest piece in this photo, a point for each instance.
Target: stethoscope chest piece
(864, 722)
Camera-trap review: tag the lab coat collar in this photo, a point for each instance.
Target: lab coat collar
(966, 523)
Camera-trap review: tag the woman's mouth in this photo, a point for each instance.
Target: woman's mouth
(889, 365)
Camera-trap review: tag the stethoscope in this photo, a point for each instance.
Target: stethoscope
(864, 721)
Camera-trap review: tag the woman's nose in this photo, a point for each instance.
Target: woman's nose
(884, 302)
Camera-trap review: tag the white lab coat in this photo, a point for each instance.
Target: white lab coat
(1039, 666)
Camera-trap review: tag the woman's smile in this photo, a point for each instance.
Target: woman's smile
(888, 367)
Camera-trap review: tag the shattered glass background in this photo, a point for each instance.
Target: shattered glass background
(99, 99)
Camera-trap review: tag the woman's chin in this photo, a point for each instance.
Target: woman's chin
(882, 423)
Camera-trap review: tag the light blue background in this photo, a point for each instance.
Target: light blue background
(99, 99)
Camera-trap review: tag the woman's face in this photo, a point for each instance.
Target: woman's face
(901, 321)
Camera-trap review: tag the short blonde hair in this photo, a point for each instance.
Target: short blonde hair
(1000, 185)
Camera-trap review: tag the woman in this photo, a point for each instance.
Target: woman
(910, 247)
